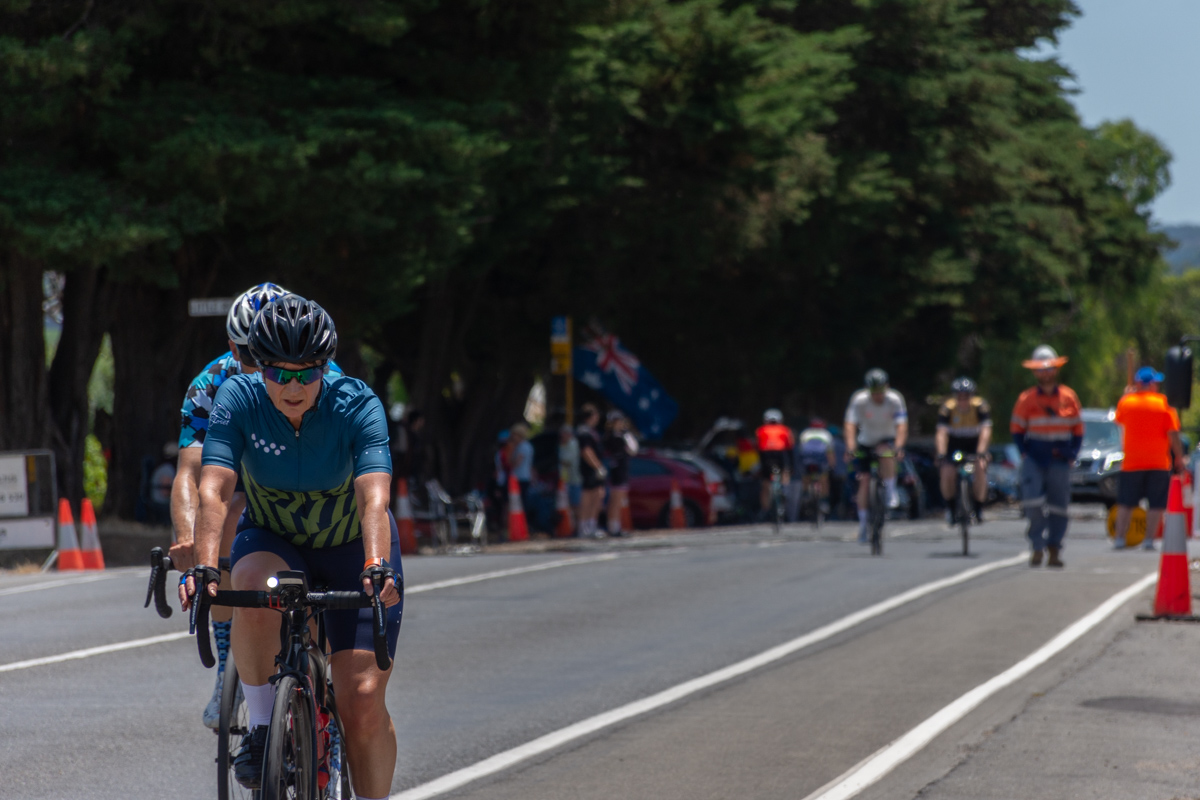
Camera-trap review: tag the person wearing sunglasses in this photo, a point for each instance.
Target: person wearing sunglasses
(314, 455)
(185, 498)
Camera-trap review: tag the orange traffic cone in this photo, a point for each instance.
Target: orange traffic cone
(518, 530)
(562, 506)
(93, 556)
(69, 556)
(404, 519)
(678, 520)
(1174, 595)
(1189, 502)
(626, 515)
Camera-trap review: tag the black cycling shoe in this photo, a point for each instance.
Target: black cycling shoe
(247, 764)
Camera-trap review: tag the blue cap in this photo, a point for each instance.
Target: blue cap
(1148, 375)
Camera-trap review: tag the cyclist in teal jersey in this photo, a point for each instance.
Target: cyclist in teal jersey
(197, 403)
(313, 452)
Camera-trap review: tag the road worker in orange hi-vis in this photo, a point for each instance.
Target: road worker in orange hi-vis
(1048, 430)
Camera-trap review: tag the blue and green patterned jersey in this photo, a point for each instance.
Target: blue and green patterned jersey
(300, 483)
(198, 401)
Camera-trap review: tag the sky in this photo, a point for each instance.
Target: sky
(1140, 59)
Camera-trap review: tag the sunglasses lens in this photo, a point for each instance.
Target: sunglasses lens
(283, 376)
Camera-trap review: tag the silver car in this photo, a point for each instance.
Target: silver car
(1094, 474)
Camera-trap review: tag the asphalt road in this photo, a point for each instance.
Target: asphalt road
(488, 666)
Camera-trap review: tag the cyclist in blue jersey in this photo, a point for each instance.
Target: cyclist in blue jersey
(313, 452)
(197, 403)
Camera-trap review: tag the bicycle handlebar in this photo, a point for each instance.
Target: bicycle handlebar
(160, 565)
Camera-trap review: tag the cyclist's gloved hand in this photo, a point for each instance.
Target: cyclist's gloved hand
(377, 567)
(198, 575)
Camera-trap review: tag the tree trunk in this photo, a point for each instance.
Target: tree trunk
(86, 302)
(23, 385)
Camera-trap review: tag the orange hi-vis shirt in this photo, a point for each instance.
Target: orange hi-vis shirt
(1147, 421)
(1047, 425)
(775, 437)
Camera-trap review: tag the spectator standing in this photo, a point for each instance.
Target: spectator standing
(522, 460)
(1150, 437)
(592, 472)
(619, 446)
(1048, 430)
(568, 467)
(499, 488)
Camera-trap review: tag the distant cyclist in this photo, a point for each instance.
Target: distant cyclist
(313, 452)
(964, 425)
(815, 455)
(876, 422)
(775, 444)
(197, 404)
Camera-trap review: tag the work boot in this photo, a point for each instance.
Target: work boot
(1053, 561)
(1035, 558)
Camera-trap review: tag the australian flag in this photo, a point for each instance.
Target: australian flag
(604, 365)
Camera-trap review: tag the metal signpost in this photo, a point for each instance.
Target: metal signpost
(560, 360)
(209, 306)
(28, 496)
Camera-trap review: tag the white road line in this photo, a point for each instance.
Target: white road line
(170, 637)
(37, 587)
(504, 573)
(550, 741)
(93, 651)
(870, 771)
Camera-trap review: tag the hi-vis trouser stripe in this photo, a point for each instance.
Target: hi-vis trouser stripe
(310, 519)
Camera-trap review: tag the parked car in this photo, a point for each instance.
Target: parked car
(1094, 473)
(650, 478)
(720, 483)
(1004, 473)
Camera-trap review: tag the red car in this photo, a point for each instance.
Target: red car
(650, 479)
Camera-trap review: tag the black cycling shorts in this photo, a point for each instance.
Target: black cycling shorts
(862, 454)
(968, 445)
(1152, 484)
(335, 569)
(774, 459)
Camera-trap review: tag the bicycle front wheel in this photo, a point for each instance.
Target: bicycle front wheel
(289, 761)
(964, 511)
(878, 506)
(235, 724)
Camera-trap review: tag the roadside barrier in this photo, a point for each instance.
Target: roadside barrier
(93, 556)
(565, 528)
(69, 556)
(678, 520)
(1173, 599)
(518, 529)
(404, 519)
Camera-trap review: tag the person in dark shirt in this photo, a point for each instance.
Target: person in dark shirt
(619, 446)
(591, 468)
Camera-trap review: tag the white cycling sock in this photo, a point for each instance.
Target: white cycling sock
(259, 700)
(890, 483)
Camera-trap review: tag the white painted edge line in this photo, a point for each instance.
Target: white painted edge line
(542, 744)
(504, 573)
(875, 767)
(37, 587)
(170, 637)
(75, 655)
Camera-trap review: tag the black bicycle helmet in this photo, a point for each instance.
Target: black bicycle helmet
(876, 379)
(963, 384)
(292, 330)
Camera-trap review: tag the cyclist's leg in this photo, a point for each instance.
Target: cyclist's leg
(948, 478)
(887, 474)
(221, 615)
(357, 682)
(861, 500)
(981, 480)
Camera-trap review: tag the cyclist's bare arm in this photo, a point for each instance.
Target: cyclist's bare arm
(901, 436)
(184, 499)
(851, 431)
(941, 440)
(985, 439)
(372, 492)
(216, 493)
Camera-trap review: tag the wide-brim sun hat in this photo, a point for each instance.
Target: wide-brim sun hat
(1044, 357)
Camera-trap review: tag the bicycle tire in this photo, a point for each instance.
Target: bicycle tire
(964, 512)
(289, 761)
(878, 506)
(234, 725)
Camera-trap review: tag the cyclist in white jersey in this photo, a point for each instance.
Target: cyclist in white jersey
(876, 422)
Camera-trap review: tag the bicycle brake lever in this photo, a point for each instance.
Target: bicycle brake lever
(160, 564)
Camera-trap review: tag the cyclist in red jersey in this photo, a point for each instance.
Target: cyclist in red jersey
(775, 445)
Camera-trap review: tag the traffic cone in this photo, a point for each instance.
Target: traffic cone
(678, 520)
(69, 556)
(93, 556)
(1189, 502)
(626, 515)
(1174, 595)
(404, 519)
(518, 530)
(562, 506)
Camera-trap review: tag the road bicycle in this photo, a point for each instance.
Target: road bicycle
(812, 503)
(304, 757)
(961, 506)
(777, 510)
(876, 499)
